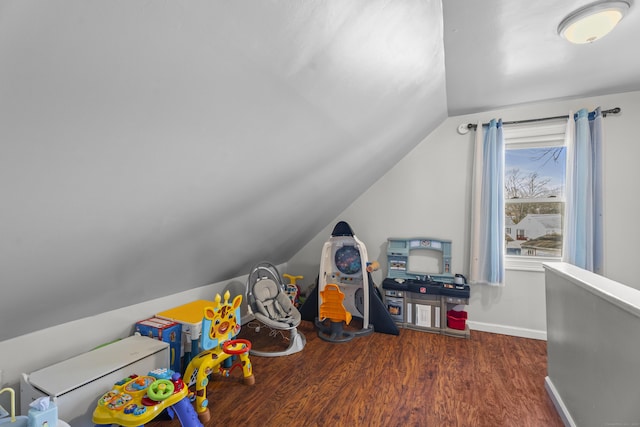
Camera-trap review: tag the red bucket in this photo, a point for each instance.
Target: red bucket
(457, 319)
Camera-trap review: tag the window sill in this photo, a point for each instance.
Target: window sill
(521, 263)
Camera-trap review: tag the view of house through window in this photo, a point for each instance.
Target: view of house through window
(534, 195)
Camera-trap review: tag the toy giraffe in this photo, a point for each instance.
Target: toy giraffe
(221, 323)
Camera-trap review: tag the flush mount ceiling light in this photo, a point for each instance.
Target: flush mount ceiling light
(593, 21)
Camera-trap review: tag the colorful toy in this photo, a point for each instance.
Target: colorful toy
(189, 315)
(344, 263)
(292, 289)
(372, 266)
(167, 331)
(221, 323)
(13, 418)
(43, 411)
(136, 400)
(332, 309)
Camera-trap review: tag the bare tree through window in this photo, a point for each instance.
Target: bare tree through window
(534, 187)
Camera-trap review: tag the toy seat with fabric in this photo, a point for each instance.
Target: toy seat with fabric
(271, 306)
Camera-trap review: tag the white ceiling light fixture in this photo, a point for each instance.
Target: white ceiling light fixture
(593, 21)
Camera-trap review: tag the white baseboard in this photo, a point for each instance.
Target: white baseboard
(558, 403)
(507, 330)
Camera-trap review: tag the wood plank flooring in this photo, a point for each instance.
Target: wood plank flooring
(414, 379)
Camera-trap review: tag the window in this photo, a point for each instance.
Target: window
(535, 162)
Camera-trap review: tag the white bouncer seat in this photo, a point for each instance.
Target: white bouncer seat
(271, 306)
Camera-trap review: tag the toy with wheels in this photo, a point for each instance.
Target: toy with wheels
(136, 400)
(222, 353)
(292, 289)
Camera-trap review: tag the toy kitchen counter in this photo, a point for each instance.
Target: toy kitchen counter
(430, 302)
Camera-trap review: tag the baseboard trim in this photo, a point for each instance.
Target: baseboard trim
(558, 403)
(507, 330)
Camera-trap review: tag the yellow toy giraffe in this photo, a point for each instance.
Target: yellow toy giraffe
(221, 323)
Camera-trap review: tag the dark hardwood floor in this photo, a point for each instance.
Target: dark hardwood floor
(414, 379)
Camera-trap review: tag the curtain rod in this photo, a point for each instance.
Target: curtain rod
(515, 122)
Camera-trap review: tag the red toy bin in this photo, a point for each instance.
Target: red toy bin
(457, 319)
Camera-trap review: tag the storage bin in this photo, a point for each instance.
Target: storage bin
(457, 319)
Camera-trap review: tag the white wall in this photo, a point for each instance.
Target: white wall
(592, 348)
(428, 194)
(150, 147)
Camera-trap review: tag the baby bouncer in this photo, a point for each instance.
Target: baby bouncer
(271, 306)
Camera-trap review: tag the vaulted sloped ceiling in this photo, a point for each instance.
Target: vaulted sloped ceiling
(151, 147)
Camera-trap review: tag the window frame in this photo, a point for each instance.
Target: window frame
(533, 135)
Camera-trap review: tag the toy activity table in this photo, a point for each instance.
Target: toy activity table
(136, 400)
(189, 315)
